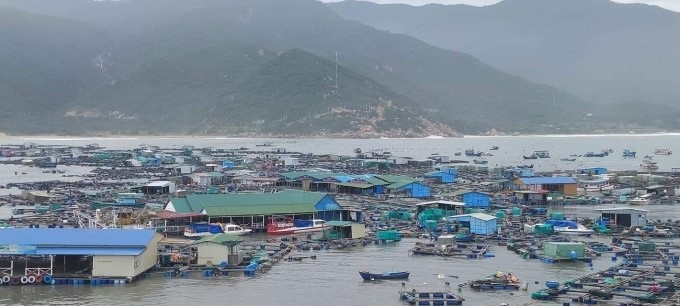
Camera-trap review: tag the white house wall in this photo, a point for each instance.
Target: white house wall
(213, 252)
(149, 258)
(113, 266)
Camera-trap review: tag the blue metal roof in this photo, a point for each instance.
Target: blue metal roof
(77, 237)
(114, 251)
(548, 180)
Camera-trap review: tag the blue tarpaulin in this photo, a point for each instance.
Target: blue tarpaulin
(562, 223)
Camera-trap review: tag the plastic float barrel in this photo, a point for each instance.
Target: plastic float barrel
(24, 279)
(47, 279)
(6, 279)
(31, 279)
(216, 272)
(16, 281)
(1, 282)
(552, 284)
(38, 278)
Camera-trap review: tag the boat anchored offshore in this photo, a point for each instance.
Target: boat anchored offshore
(663, 152)
(287, 226)
(385, 275)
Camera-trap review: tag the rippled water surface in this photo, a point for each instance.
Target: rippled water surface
(332, 279)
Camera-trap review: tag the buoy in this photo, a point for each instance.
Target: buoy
(24, 279)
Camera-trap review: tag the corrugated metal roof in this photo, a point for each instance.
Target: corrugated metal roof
(181, 205)
(395, 178)
(547, 180)
(247, 210)
(355, 185)
(90, 251)
(253, 203)
(77, 237)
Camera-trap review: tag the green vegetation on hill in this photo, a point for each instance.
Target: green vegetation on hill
(606, 52)
(249, 67)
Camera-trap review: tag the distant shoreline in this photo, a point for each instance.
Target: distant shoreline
(226, 137)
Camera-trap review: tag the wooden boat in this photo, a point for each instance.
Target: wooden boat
(663, 152)
(532, 156)
(498, 281)
(471, 152)
(480, 161)
(444, 298)
(542, 154)
(568, 159)
(385, 275)
(494, 148)
(629, 153)
(648, 164)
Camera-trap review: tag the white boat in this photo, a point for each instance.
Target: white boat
(598, 183)
(641, 200)
(234, 229)
(648, 164)
(579, 230)
(663, 152)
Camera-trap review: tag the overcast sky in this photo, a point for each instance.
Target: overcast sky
(673, 5)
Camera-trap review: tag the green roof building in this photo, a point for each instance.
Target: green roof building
(255, 208)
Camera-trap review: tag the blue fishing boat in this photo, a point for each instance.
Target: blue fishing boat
(385, 275)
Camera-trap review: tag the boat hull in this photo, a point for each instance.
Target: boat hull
(387, 275)
(296, 230)
(494, 286)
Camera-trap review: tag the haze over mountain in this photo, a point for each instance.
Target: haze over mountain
(253, 67)
(602, 51)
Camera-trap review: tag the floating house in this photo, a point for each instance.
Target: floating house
(413, 189)
(446, 206)
(256, 208)
(218, 249)
(442, 176)
(344, 230)
(207, 179)
(562, 184)
(593, 171)
(623, 216)
(473, 199)
(478, 223)
(79, 252)
(519, 172)
(159, 187)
